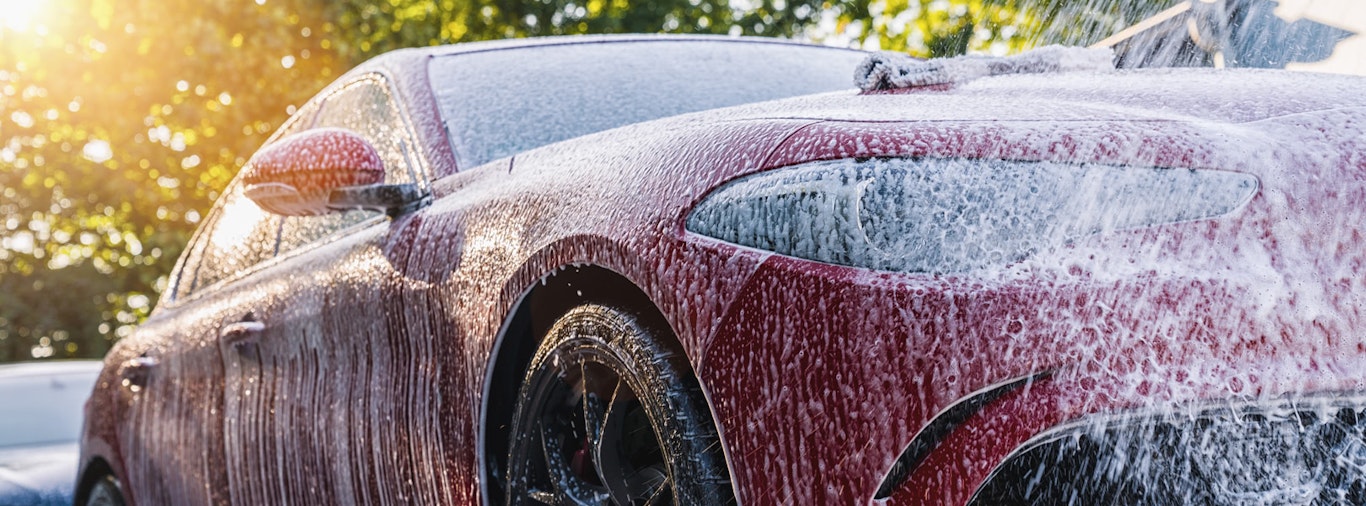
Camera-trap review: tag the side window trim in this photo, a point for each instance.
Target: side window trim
(187, 268)
(376, 219)
(186, 274)
(202, 245)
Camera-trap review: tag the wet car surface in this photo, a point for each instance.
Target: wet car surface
(487, 273)
(40, 427)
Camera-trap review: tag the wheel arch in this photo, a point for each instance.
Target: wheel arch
(526, 325)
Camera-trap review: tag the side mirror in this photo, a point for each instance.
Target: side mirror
(321, 171)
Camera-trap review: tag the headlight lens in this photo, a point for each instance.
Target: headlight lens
(952, 215)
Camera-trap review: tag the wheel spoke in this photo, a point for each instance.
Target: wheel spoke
(659, 489)
(604, 443)
(647, 484)
(593, 413)
(606, 415)
(594, 423)
(569, 488)
(595, 420)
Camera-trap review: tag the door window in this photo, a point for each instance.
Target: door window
(242, 236)
(238, 234)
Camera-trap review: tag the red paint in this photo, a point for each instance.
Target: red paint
(367, 383)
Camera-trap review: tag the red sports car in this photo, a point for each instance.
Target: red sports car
(637, 270)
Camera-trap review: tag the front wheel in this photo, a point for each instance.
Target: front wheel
(607, 414)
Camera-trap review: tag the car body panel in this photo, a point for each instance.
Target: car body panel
(818, 375)
(1106, 316)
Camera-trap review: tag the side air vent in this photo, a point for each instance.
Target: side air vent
(939, 428)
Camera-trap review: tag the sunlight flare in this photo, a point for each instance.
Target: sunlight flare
(19, 15)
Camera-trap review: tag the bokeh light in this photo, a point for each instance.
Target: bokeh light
(20, 15)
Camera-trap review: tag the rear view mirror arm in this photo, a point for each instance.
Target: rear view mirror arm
(393, 199)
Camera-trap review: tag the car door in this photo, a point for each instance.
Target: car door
(171, 370)
(312, 414)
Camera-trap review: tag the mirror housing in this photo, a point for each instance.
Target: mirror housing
(321, 171)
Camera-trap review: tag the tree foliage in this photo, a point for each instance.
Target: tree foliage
(121, 121)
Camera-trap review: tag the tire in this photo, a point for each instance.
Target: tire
(607, 414)
(105, 492)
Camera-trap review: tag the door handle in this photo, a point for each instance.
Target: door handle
(136, 371)
(242, 335)
(241, 331)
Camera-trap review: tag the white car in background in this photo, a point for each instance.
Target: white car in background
(40, 423)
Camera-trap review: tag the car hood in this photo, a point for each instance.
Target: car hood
(38, 475)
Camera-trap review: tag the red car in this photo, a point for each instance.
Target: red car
(578, 271)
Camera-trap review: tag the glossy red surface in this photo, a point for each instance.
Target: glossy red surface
(296, 175)
(318, 159)
(369, 378)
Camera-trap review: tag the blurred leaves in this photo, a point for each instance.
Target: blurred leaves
(120, 122)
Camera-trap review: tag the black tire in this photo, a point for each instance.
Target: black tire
(105, 492)
(572, 442)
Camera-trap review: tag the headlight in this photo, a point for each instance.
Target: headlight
(952, 215)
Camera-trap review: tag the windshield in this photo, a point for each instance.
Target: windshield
(43, 408)
(501, 102)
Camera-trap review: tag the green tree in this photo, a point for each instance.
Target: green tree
(119, 124)
(121, 121)
(935, 28)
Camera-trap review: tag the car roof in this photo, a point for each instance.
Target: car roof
(49, 368)
(1223, 95)
(414, 60)
(471, 47)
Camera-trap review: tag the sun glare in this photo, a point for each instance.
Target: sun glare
(19, 15)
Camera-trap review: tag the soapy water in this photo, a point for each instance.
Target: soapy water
(1154, 246)
(1175, 262)
(1309, 452)
(950, 216)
